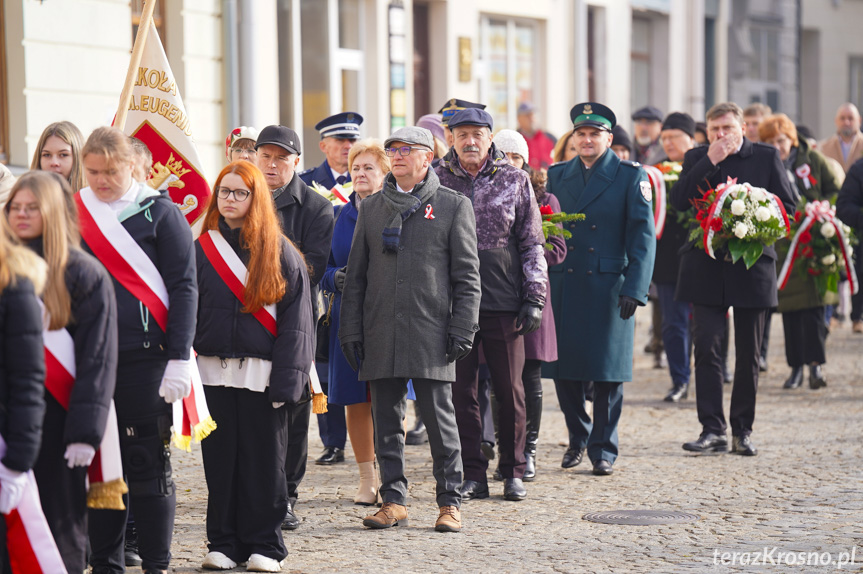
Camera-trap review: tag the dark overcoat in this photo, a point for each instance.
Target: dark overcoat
(610, 254)
(719, 282)
(402, 305)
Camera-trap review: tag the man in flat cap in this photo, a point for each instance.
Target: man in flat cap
(409, 311)
(338, 135)
(307, 220)
(449, 109)
(604, 278)
(513, 270)
(647, 123)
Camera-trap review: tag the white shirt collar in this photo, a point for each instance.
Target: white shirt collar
(399, 188)
(128, 198)
(337, 174)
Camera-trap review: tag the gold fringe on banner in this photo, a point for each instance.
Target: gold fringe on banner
(107, 495)
(319, 403)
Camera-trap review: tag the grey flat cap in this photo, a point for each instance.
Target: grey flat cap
(412, 135)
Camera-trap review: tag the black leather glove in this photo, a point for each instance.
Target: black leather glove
(339, 279)
(627, 306)
(529, 318)
(354, 354)
(457, 348)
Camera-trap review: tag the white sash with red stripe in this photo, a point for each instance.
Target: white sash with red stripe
(105, 473)
(29, 541)
(133, 269)
(234, 273)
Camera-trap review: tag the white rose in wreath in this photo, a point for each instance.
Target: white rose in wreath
(738, 207)
(740, 229)
(829, 259)
(827, 230)
(763, 214)
(758, 194)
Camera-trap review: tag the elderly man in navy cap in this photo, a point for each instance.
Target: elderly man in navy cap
(307, 220)
(338, 135)
(647, 122)
(604, 278)
(513, 272)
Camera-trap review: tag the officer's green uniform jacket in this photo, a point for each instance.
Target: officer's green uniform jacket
(610, 254)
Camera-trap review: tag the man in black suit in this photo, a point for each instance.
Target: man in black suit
(714, 285)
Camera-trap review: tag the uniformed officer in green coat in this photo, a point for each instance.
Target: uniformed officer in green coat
(597, 288)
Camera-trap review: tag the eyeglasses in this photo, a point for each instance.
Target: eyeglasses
(25, 209)
(403, 151)
(248, 150)
(239, 194)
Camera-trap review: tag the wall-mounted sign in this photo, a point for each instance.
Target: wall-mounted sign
(465, 59)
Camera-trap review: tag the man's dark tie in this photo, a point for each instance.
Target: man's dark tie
(341, 180)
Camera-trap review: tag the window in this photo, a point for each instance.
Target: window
(855, 81)
(765, 80)
(509, 55)
(4, 104)
(640, 70)
(158, 18)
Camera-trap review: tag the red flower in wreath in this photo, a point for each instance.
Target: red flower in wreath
(805, 237)
(808, 252)
(716, 224)
(798, 216)
(814, 271)
(546, 210)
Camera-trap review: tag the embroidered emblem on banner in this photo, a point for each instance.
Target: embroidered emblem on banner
(646, 191)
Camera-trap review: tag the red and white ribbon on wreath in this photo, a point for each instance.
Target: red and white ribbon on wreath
(29, 541)
(657, 180)
(820, 212)
(804, 172)
(124, 259)
(723, 191)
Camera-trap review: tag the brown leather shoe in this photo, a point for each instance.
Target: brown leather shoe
(449, 519)
(857, 327)
(390, 514)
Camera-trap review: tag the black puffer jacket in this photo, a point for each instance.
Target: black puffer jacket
(94, 329)
(163, 233)
(22, 375)
(227, 332)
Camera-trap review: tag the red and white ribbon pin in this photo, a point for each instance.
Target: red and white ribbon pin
(804, 172)
(429, 211)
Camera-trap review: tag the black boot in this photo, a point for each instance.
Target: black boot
(418, 434)
(816, 377)
(533, 417)
(795, 380)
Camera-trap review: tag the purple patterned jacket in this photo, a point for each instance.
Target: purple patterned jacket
(512, 264)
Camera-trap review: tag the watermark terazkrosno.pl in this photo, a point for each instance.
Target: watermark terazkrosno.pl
(775, 556)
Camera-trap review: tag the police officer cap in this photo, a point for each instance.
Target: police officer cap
(471, 117)
(284, 137)
(648, 113)
(454, 105)
(593, 115)
(680, 121)
(345, 125)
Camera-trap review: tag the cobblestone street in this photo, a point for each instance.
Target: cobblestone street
(802, 493)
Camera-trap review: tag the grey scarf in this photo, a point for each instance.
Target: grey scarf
(403, 205)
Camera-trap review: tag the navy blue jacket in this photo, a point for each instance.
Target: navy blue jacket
(225, 331)
(321, 174)
(163, 233)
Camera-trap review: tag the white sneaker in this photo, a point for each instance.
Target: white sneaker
(259, 563)
(218, 561)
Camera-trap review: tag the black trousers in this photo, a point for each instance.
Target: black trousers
(245, 469)
(600, 435)
(504, 354)
(62, 490)
(434, 401)
(709, 330)
(857, 300)
(805, 337)
(298, 417)
(144, 420)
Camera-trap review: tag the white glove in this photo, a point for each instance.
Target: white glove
(278, 405)
(177, 380)
(79, 454)
(12, 485)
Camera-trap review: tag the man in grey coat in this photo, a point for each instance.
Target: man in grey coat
(410, 308)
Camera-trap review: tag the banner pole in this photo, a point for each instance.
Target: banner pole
(132, 72)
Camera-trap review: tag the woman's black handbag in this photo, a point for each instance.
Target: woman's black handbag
(322, 333)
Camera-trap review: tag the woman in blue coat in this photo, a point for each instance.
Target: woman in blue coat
(368, 164)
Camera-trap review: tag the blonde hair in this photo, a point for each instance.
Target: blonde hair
(374, 147)
(111, 143)
(59, 236)
(69, 133)
(17, 261)
(560, 147)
